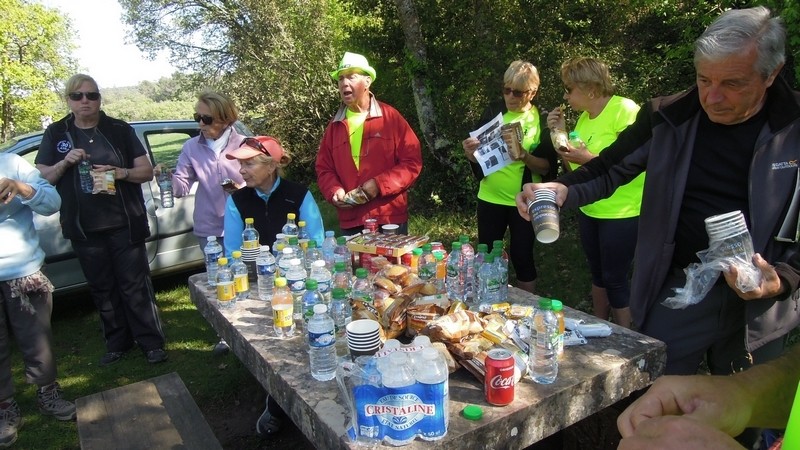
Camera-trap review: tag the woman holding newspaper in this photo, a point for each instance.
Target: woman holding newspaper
(523, 154)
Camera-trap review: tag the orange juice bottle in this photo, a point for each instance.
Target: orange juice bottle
(282, 302)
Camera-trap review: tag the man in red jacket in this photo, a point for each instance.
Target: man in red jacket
(369, 156)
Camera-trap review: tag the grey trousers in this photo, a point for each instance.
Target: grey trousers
(712, 330)
(33, 334)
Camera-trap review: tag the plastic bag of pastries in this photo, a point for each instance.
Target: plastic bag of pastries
(454, 327)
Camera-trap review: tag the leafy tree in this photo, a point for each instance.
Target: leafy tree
(35, 48)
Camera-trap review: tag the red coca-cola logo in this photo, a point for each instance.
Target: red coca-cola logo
(500, 382)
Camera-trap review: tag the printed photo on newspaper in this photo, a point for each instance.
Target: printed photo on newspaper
(492, 154)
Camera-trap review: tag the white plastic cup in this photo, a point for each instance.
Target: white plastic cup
(729, 234)
(390, 228)
(544, 213)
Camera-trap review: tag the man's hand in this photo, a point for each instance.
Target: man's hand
(527, 194)
(770, 281)
(677, 433)
(719, 402)
(338, 199)
(370, 187)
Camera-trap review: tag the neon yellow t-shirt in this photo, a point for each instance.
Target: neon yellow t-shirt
(599, 133)
(501, 187)
(355, 124)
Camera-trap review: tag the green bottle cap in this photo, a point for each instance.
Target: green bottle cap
(472, 412)
(557, 305)
(545, 303)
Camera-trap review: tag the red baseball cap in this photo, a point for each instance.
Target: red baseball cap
(258, 145)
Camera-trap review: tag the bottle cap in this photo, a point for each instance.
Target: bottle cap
(557, 305)
(338, 293)
(249, 220)
(472, 412)
(280, 281)
(361, 272)
(222, 261)
(236, 254)
(545, 303)
(341, 240)
(290, 216)
(416, 251)
(311, 284)
(320, 308)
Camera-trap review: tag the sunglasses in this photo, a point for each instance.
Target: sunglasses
(78, 96)
(256, 144)
(516, 93)
(206, 119)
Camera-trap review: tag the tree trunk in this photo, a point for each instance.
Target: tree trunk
(418, 64)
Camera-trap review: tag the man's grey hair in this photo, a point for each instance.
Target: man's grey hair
(736, 29)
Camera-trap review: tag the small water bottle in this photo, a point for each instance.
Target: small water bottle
(265, 267)
(290, 227)
(241, 281)
(468, 260)
(226, 292)
(296, 280)
(575, 140)
(250, 236)
(165, 185)
(311, 297)
(313, 253)
(398, 374)
(321, 344)
(328, 246)
(544, 351)
(213, 252)
(85, 172)
(341, 311)
(489, 282)
(323, 277)
(341, 278)
(362, 288)
(455, 282)
(342, 254)
(431, 371)
(302, 235)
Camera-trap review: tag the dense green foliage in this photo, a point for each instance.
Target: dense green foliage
(35, 55)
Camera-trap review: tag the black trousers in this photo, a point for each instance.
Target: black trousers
(119, 281)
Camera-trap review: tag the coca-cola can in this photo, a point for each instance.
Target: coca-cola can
(371, 225)
(499, 380)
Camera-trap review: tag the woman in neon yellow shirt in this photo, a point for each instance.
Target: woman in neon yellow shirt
(608, 227)
(497, 209)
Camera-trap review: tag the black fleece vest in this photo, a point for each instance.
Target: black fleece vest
(270, 217)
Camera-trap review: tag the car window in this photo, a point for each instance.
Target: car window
(166, 147)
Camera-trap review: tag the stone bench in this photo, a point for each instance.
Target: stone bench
(158, 413)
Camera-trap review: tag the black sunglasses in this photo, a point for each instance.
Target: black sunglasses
(516, 93)
(256, 144)
(78, 96)
(206, 119)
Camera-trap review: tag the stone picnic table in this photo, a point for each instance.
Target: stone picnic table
(590, 378)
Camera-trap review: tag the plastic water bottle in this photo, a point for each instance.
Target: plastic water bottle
(328, 246)
(575, 139)
(480, 254)
(427, 264)
(290, 227)
(213, 252)
(282, 305)
(302, 235)
(489, 282)
(279, 244)
(341, 311)
(266, 267)
(398, 374)
(226, 292)
(501, 260)
(468, 260)
(311, 297)
(165, 186)
(321, 344)
(456, 282)
(284, 259)
(324, 279)
(296, 280)
(431, 372)
(250, 235)
(544, 352)
(313, 253)
(241, 282)
(85, 172)
(362, 287)
(342, 253)
(294, 244)
(341, 278)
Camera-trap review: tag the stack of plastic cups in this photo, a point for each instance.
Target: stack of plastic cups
(729, 234)
(363, 337)
(544, 213)
(249, 256)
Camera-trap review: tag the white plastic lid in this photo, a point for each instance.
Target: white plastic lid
(329, 233)
(279, 236)
(318, 263)
(391, 343)
(295, 262)
(211, 238)
(265, 248)
(320, 308)
(430, 353)
(422, 340)
(287, 250)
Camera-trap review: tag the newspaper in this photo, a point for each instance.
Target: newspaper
(492, 153)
